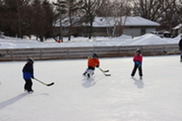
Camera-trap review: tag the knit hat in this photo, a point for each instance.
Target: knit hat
(94, 55)
(30, 60)
(138, 51)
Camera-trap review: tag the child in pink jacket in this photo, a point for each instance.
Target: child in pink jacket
(137, 63)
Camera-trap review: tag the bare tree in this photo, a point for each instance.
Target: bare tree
(115, 14)
(73, 6)
(150, 9)
(179, 10)
(61, 8)
(91, 8)
(166, 12)
(175, 12)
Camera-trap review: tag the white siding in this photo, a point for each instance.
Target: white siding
(132, 31)
(180, 31)
(148, 30)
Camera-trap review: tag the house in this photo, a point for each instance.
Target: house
(177, 30)
(133, 26)
(114, 26)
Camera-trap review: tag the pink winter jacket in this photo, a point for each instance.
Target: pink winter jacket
(138, 58)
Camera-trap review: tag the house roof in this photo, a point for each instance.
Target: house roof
(125, 21)
(113, 21)
(178, 27)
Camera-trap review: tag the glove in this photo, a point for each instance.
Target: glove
(97, 66)
(32, 77)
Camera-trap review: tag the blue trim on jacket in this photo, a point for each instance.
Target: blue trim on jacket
(27, 75)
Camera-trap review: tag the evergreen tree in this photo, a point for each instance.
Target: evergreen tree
(42, 19)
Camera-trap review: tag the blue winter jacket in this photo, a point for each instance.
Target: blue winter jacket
(28, 71)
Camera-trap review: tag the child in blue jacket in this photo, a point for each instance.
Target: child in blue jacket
(28, 74)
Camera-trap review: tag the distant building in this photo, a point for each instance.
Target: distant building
(177, 30)
(110, 26)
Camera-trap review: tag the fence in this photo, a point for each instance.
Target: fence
(84, 52)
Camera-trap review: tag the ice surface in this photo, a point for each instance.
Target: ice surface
(72, 98)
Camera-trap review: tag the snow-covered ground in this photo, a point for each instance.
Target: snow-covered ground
(116, 98)
(147, 39)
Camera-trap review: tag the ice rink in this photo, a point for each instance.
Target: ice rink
(157, 97)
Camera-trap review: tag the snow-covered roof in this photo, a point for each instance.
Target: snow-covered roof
(125, 21)
(113, 21)
(65, 22)
(178, 26)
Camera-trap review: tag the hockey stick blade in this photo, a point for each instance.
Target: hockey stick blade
(105, 71)
(44, 83)
(50, 84)
(107, 74)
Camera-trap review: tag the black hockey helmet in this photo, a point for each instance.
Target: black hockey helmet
(95, 55)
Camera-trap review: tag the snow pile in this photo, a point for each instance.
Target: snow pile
(147, 39)
(150, 39)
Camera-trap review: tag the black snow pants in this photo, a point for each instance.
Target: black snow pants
(28, 85)
(139, 69)
(181, 55)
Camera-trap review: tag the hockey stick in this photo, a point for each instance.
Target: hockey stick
(170, 52)
(44, 83)
(104, 72)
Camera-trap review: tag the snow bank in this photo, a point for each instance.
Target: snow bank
(147, 39)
